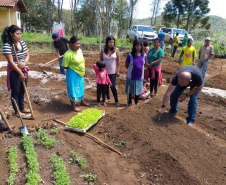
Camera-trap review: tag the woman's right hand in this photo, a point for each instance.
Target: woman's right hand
(22, 77)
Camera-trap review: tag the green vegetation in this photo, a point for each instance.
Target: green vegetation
(61, 175)
(54, 130)
(85, 118)
(89, 177)
(13, 166)
(45, 139)
(78, 159)
(33, 178)
(120, 144)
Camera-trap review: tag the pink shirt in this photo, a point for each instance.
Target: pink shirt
(102, 76)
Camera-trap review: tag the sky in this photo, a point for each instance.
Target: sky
(142, 8)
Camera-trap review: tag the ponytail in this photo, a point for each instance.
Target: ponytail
(6, 37)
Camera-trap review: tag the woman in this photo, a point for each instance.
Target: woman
(155, 56)
(16, 72)
(135, 63)
(74, 62)
(111, 57)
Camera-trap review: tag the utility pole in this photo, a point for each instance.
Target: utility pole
(191, 15)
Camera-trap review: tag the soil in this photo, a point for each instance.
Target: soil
(165, 151)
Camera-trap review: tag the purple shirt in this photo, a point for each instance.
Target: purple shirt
(136, 70)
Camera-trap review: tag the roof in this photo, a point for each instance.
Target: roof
(12, 3)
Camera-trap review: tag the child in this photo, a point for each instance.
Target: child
(145, 94)
(102, 81)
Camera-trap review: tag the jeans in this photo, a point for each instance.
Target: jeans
(203, 64)
(17, 90)
(101, 89)
(154, 82)
(113, 88)
(162, 45)
(60, 64)
(192, 105)
(174, 51)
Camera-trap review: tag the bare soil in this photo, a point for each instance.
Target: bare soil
(155, 152)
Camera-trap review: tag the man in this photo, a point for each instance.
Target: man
(60, 43)
(185, 40)
(161, 36)
(205, 54)
(188, 53)
(175, 44)
(186, 76)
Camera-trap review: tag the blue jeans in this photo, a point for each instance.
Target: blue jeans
(113, 88)
(203, 64)
(192, 104)
(162, 45)
(60, 64)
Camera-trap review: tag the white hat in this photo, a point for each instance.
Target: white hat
(207, 38)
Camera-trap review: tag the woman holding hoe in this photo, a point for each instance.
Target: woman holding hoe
(74, 62)
(16, 72)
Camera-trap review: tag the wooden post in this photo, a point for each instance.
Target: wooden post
(8, 17)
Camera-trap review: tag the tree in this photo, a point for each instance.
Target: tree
(132, 5)
(155, 9)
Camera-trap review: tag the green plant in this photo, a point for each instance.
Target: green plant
(61, 175)
(33, 178)
(120, 144)
(89, 177)
(85, 118)
(13, 166)
(79, 159)
(54, 130)
(45, 139)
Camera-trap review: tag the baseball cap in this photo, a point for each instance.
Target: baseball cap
(55, 36)
(207, 38)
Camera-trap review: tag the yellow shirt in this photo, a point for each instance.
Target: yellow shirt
(175, 41)
(75, 61)
(189, 53)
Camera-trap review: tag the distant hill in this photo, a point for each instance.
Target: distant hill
(218, 24)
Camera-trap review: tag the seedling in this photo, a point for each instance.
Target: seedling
(120, 144)
(89, 177)
(78, 159)
(54, 130)
(45, 139)
(61, 175)
(13, 166)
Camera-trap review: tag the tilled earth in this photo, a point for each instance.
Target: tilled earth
(153, 152)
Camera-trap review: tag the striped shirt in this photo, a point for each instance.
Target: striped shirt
(21, 54)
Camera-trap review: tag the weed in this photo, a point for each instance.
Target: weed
(61, 175)
(54, 130)
(63, 142)
(13, 166)
(89, 177)
(45, 139)
(79, 159)
(120, 144)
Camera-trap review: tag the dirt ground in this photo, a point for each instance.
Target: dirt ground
(154, 152)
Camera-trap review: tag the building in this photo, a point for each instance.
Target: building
(10, 12)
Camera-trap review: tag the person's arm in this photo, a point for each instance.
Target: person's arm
(118, 60)
(108, 79)
(101, 55)
(23, 64)
(15, 67)
(127, 61)
(193, 63)
(166, 98)
(210, 55)
(190, 93)
(155, 62)
(95, 68)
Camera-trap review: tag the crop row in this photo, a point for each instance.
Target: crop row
(13, 166)
(45, 139)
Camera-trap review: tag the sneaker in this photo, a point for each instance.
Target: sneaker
(190, 124)
(172, 114)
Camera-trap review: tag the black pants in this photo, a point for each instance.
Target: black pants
(101, 89)
(17, 90)
(154, 82)
(136, 99)
(113, 88)
(174, 51)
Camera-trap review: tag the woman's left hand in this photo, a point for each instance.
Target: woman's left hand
(117, 73)
(21, 65)
(150, 65)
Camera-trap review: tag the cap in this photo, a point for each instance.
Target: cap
(207, 38)
(185, 34)
(55, 36)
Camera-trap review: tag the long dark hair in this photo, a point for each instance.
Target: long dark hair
(134, 51)
(73, 39)
(6, 37)
(106, 45)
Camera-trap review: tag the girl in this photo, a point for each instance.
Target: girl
(145, 94)
(111, 57)
(155, 63)
(135, 63)
(16, 72)
(74, 62)
(102, 81)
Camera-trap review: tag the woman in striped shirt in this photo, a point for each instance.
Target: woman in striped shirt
(16, 72)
